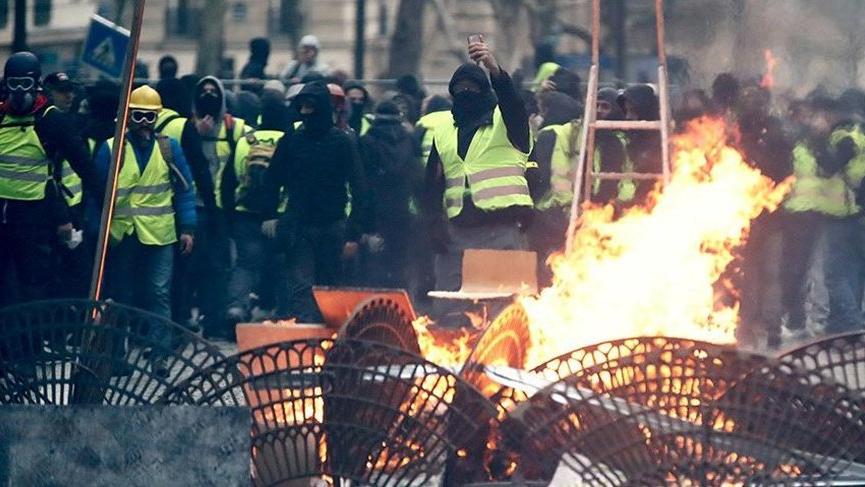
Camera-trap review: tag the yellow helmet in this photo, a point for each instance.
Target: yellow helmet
(145, 98)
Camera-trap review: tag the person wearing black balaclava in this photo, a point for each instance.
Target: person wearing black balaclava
(639, 102)
(360, 104)
(477, 193)
(315, 165)
(34, 212)
(210, 264)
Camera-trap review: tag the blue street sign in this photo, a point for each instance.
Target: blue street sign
(105, 47)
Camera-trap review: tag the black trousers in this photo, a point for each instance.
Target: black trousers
(26, 239)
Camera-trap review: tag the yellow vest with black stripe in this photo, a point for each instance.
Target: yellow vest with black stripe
(170, 124)
(429, 122)
(492, 174)
(627, 188)
(807, 191)
(144, 200)
(24, 164)
(839, 190)
(270, 137)
(223, 153)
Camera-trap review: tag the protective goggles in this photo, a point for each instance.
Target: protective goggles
(143, 116)
(20, 83)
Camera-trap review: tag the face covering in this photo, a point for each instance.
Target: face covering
(471, 105)
(21, 103)
(208, 104)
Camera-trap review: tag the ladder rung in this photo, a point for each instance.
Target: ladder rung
(628, 124)
(627, 175)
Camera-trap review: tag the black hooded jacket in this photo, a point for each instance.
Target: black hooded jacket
(314, 163)
(391, 167)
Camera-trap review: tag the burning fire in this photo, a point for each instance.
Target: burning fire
(768, 80)
(653, 271)
(440, 346)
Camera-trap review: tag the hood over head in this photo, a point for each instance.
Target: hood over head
(321, 119)
(247, 105)
(611, 96)
(568, 82)
(259, 49)
(213, 105)
(470, 108)
(644, 100)
(559, 108)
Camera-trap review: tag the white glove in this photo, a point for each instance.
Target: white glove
(75, 239)
(268, 228)
(374, 243)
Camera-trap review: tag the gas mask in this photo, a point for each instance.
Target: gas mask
(21, 94)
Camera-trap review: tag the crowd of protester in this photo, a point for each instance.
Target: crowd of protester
(243, 198)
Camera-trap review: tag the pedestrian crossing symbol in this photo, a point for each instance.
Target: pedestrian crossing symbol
(104, 53)
(105, 47)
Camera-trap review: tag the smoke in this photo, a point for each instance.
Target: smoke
(817, 43)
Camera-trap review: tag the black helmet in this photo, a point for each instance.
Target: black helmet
(23, 64)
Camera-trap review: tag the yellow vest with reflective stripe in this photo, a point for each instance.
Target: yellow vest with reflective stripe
(71, 181)
(839, 191)
(806, 193)
(223, 153)
(172, 128)
(429, 122)
(493, 172)
(24, 165)
(562, 166)
(270, 137)
(627, 187)
(144, 200)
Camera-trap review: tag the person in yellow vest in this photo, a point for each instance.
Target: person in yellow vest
(477, 193)
(172, 123)
(802, 218)
(246, 177)
(844, 264)
(154, 211)
(436, 112)
(556, 154)
(360, 104)
(33, 212)
(210, 267)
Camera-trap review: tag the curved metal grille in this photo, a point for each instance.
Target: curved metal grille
(349, 409)
(503, 342)
(79, 351)
(382, 320)
(655, 411)
(840, 358)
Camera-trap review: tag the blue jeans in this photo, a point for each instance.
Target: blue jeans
(140, 275)
(845, 270)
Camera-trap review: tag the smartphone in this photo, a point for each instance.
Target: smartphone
(475, 38)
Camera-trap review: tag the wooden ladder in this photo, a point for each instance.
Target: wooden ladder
(586, 176)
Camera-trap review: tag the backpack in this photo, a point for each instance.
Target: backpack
(255, 164)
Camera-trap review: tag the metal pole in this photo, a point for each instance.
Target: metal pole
(659, 27)
(596, 31)
(19, 36)
(359, 38)
(117, 153)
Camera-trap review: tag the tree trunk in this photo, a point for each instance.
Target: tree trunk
(406, 46)
(211, 41)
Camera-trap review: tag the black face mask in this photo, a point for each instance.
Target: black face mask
(469, 106)
(21, 102)
(208, 104)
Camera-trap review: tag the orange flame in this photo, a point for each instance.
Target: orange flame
(653, 271)
(768, 80)
(442, 347)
